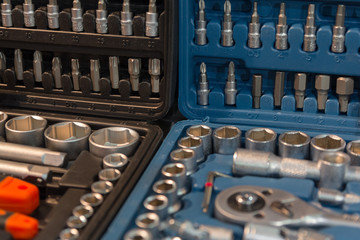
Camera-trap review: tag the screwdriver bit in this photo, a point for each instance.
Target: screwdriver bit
(75, 73)
(57, 71)
(19, 64)
(282, 30)
(322, 85)
(53, 14)
(38, 66)
(256, 90)
(230, 87)
(335, 197)
(254, 29)
(154, 71)
(2, 65)
(134, 68)
(29, 18)
(114, 72)
(344, 88)
(101, 17)
(200, 32)
(95, 74)
(151, 21)
(77, 17)
(300, 87)
(279, 88)
(227, 26)
(310, 30)
(203, 90)
(338, 38)
(126, 19)
(6, 13)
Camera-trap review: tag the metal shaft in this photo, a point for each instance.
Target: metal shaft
(53, 14)
(254, 29)
(281, 30)
(126, 19)
(322, 85)
(230, 87)
(279, 88)
(6, 14)
(57, 71)
(75, 73)
(101, 18)
(38, 66)
(300, 88)
(114, 71)
(151, 22)
(95, 74)
(256, 90)
(310, 30)
(335, 197)
(203, 89)
(154, 72)
(77, 17)
(19, 64)
(227, 26)
(29, 18)
(200, 32)
(338, 39)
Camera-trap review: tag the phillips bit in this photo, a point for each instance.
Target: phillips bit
(2, 65)
(230, 87)
(38, 66)
(53, 14)
(101, 18)
(279, 88)
(77, 17)
(114, 72)
(256, 90)
(19, 64)
(6, 14)
(134, 68)
(338, 38)
(151, 21)
(227, 26)
(322, 85)
(29, 18)
(95, 74)
(254, 29)
(57, 71)
(203, 90)
(154, 71)
(281, 42)
(344, 88)
(75, 73)
(200, 32)
(300, 87)
(310, 30)
(126, 19)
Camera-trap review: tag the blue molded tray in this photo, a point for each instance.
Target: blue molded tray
(191, 210)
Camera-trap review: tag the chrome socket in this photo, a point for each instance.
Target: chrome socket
(177, 173)
(109, 174)
(82, 210)
(325, 143)
(69, 234)
(138, 234)
(114, 140)
(68, 137)
(149, 222)
(92, 199)
(262, 139)
(76, 222)
(29, 14)
(294, 144)
(102, 187)
(3, 119)
(195, 144)
(158, 204)
(53, 15)
(6, 13)
(168, 188)
(151, 22)
(126, 23)
(353, 149)
(26, 130)
(115, 160)
(227, 139)
(187, 157)
(205, 134)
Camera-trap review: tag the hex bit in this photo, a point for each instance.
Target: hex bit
(114, 71)
(57, 71)
(281, 42)
(75, 73)
(300, 87)
(53, 14)
(310, 30)
(279, 88)
(134, 68)
(38, 66)
(338, 39)
(151, 22)
(227, 26)
(101, 18)
(95, 74)
(29, 18)
(77, 17)
(154, 72)
(344, 88)
(322, 85)
(203, 89)
(254, 29)
(256, 90)
(200, 32)
(230, 87)
(6, 13)
(126, 19)
(19, 64)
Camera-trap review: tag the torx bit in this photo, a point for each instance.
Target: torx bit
(77, 17)
(114, 72)
(254, 29)
(126, 19)
(6, 14)
(300, 87)
(53, 14)
(227, 26)
(19, 64)
(57, 71)
(75, 73)
(134, 68)
(200, 32)
(38, 66)
(230, 87)
(256, 90)
(151, 21)
(101, 18)
(203, 89)
(154, 71)
(279, 88)
(344, 88)
(338, 39)
(29, 18)
(95, 74)
(310, 30)
(322, 85)
(282, 30)
(2, 65)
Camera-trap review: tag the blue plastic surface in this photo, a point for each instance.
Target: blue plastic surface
(266, 61)
(191, 210)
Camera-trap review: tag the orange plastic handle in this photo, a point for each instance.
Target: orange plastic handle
(19, 225)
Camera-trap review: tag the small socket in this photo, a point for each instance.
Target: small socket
(109, 174)
(115, 160)
(158, 204)
(102, 187)
(76, 222)
(69, 234)
(83, 210)
(92, 199)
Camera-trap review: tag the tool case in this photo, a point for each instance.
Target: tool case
(106, 108)
(265, 60)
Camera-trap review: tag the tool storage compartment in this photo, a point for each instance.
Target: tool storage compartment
(277, 104)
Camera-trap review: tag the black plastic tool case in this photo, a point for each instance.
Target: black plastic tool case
(98, 110)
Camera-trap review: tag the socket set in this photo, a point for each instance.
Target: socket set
(82, 169)
(118, 59)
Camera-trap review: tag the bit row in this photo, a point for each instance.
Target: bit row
(77, 17)
(281, 42)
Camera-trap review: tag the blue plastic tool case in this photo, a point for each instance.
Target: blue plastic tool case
(265, 61)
